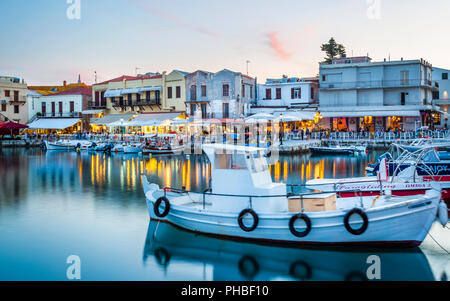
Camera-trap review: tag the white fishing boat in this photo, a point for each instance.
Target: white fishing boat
(244, 203)
(339, 150)
(163, 144)
(118, 148)
(67, 145)
(132, 148)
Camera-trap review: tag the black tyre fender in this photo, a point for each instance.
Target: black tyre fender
(255, 220)
(307, 221)
(248, 267)
(363, 215)
(158, 203)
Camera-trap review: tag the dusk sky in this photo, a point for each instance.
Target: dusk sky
(42, 45)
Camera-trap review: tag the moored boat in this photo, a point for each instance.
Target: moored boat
(163, 144)
(132, 148)
(67, 145)
(244, 203)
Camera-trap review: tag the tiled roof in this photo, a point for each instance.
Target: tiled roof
(128, 77)
(77, 91)
(50, 90)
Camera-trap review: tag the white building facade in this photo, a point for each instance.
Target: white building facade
(358, 94)
(224, 94)
(65, 108)
(286, 93)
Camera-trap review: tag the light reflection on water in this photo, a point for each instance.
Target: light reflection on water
(56, 204)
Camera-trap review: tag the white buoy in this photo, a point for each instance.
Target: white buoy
(443, 213)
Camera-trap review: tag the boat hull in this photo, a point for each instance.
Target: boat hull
(162, 151)
(65, 146)
(132, 150)
(411, 221)
(323, 150)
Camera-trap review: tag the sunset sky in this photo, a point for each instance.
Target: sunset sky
(39, 43)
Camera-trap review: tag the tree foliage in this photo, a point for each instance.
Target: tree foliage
(333, 50)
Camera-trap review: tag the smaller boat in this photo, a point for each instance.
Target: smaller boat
(336, 150)
(163, 144)
(67, 145)
(118, 148)
(132, 148)
(102, 147)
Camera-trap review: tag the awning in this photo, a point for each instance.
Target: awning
(129, 91)
(296, 115)
(113, 93)
(120, 92)
(145, 89)
(112, 118)
(91, 112)
(53, 123)
(153, 119)
(414, 113)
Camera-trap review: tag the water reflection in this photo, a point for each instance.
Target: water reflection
(225, 260)
(57, 203)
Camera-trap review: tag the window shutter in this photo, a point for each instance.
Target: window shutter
(292, 93)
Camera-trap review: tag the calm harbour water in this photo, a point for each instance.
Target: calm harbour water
(57, 204)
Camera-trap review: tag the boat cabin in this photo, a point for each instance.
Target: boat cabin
(243, 171)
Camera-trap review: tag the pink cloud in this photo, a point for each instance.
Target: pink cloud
(278, 47)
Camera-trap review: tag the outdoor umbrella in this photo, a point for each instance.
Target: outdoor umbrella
(8, 128)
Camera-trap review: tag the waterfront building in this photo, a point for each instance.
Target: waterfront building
(152, 92)
(287, 93)
(62, 111)
(224, 94)
(441, 96)
(13, 98)
(358, 94)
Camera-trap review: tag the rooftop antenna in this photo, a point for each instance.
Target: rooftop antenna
(95, 76)
(248, 62)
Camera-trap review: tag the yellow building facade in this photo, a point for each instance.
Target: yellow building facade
(141, 94)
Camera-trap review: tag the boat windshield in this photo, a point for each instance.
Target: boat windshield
(230, 161)
(258, 163)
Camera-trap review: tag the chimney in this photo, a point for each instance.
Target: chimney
(64, 83)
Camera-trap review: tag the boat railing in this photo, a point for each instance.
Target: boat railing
(300, 195)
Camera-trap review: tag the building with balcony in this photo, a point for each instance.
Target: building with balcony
(358, 94)
(152, 92)
(61, 111)
(286, 94)
(13, 99)
(225, 94)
